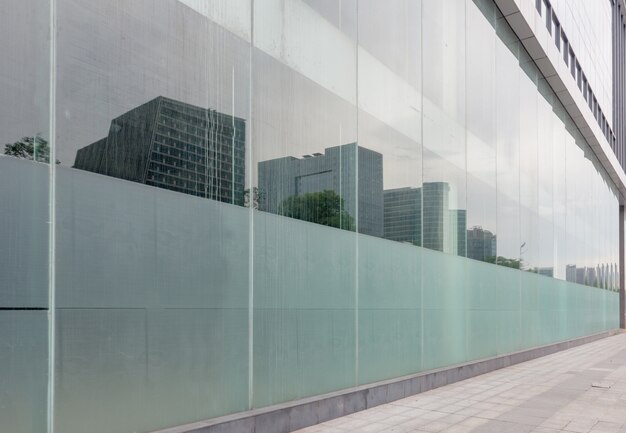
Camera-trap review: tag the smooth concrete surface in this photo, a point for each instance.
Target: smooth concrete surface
(579, 390)
(292, 416)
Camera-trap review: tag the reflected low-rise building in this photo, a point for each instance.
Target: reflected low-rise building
(176, 146)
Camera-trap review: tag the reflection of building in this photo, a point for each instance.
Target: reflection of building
(443, 228)
(581, 277)
(334, 170)
(481, 244)
(570, 273)
(458, 223)
(176, 146)
(601, 275)
(422, 216)
(403, 215)
(546, 271)
(435, 215)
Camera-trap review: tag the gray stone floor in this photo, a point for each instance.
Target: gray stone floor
(578, 390)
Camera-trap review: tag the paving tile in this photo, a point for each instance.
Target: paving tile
(488, 414)
(545, 430)
(581, 425)
(545, 395)
(606, 427)
(436, 426)
(495, 426)
(459, 428)
(395, 419)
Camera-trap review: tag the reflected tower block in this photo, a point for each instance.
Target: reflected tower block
(403, 215)
(335, 170)
(175, 146)
(481, 244)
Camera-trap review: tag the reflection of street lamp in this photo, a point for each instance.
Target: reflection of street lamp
(521, 262)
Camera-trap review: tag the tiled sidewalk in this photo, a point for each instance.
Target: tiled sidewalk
(578, 390)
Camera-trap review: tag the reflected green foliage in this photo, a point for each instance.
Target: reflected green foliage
(325, 207)
(503, 261)
(33, 148)
(253, 197)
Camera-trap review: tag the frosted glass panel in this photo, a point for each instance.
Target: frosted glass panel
(26, 149)
(443, 309)
(167, 249)
(302, 352)
(161, 302)
(304, 316)
(24, 367)
(23, 233)
(142, 369)
(170, 357)
(306, 165)
(390, 313)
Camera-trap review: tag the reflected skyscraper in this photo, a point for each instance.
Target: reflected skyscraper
(481, 244)
(403, 215)
(458, 225)
(422, 216)
(570, 273)
(335, 170)
(175, 146)
(443, 228)
(436, 214)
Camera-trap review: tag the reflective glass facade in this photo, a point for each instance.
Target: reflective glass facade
(211, 207)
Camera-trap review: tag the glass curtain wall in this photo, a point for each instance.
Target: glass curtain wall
(256, 202)
(305, 168)
(25, 76)
(390, 126)
(152, 213)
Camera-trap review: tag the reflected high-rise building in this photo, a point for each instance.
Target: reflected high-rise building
(436, 214)
(481, 244)
(334, 170)
(600, 275)
(422, 216)
(458, 225)
(581, 275)
(176, 146)
(403, 215)
(570, 273)
(443, 228)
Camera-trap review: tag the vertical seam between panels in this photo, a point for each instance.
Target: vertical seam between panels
(494, 104)
(356, 228)
(421, 24)
(520, 72)
(464, 261)
(51, 218)
(250, 225)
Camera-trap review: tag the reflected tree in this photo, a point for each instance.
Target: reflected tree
(325, 207)
(32, 148)
(253, 197)
(503, 261)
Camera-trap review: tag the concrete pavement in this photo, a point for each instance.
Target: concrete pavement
(578, 390)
